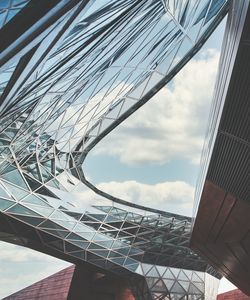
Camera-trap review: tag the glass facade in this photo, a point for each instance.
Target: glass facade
(86, 67)
(9, 8)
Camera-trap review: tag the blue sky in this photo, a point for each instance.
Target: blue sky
(155, 153)
(153, 157)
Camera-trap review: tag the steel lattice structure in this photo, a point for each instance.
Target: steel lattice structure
(69, 75)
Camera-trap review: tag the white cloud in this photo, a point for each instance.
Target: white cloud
(21, 267)
(13, 253)
(172, 125)
(176, 196)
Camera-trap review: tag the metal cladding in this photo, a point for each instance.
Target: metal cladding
(221, 230)
(71, 71)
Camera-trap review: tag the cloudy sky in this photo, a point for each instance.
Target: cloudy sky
(151, 159)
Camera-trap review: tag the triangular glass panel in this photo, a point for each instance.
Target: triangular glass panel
(184, 284)
(102, 253)
(146, 268)
(106, 244)
(123, 251)
(132, 267)
(4, 204)
(130, 261)
(44, 191)
(103, 208)
(34, 184)
(16, 178)
(167, 61)
(75, 215)
(118, 260)
(91, 256)
(58, 215)
(99, 217)
(30, 220)
(153, 272)
(169, 283)
(35, 200)
(69, 247)
(83, 245)
(73, 236)
(175, 272)
(200, 286)
(3, 193)
(86, 235)
(79, 254)
(44, 211)
(196, 277)
(58, 244)
(183, 276)
(114, 111)
(161, 270)
(168, 274)
(59, 233)
(139, 270)
(177, 288)
(21, 210)
(94, 246)
(193, 289)
(51, 225)
(154, 79)
(16, 191)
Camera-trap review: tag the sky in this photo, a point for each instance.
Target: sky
(151, 159)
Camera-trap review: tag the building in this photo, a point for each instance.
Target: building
(74, 284)
(221, 229)
(71, 72)
(234, 294)
(54, 287)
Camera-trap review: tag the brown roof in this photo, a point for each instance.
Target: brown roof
(53, 287)
(233, 295)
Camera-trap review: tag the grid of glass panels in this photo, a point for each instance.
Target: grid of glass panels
(91, 70)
